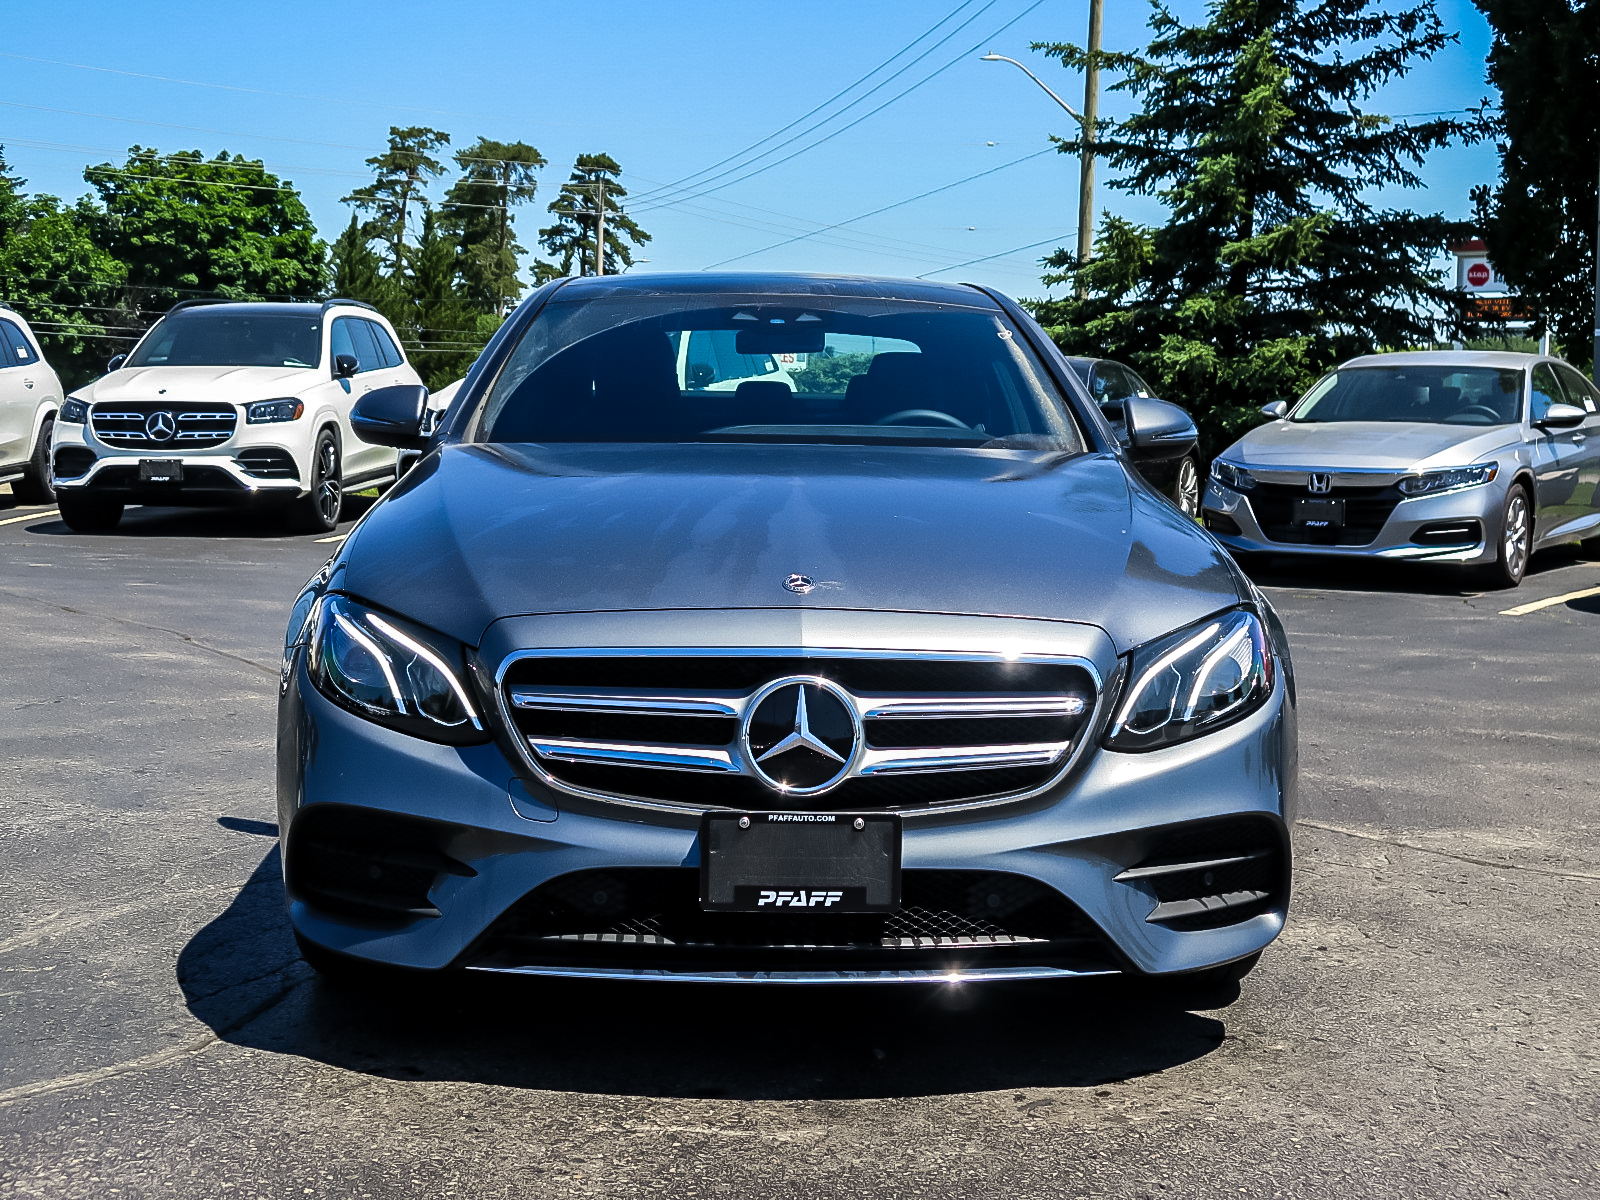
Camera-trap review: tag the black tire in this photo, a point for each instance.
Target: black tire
(37, 485)
(1513, 540)
(88, 514)
(318, 510)
(1188, 488)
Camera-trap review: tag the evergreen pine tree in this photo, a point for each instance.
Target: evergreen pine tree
(572, 238)
(1274, 263)
(442, 326)
(403, 172)
(495, 176)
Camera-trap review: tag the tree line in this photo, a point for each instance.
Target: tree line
(91, 275)
(1277, 258)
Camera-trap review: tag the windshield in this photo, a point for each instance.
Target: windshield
(842, 370)
(201, 338)
(1439, 395)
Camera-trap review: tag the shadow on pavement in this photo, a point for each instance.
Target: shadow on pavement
(144, 521)
(1383, 575)
(242, 976)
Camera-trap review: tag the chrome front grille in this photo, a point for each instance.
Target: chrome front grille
(194, 426)
(673, 728)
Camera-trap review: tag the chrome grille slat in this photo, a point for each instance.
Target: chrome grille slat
(197, 424)
(665, 728)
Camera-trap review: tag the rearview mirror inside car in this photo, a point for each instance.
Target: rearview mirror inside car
(781, 339)
(344, 366)
(1158, 430)
(1277, 410)
(392, 416)
(1561, 416)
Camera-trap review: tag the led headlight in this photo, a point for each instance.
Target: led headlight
(72, 412)
(392, 672)
(267, 412)
(1231, 476)
(1449, 480)
(1192, 682)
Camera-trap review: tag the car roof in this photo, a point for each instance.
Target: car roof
(771, 283)
(279, 308)
(1505, 359)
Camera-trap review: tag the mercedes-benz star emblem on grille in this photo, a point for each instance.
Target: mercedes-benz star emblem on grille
(800, 735)
(1319, 484)
(160, 426)
(800, 584)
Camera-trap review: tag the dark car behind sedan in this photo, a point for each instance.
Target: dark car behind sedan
(1112, 385)
(764, 628)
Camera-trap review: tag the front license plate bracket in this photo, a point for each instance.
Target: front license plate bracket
(1319, 514)
(160, 470)
(790, 862)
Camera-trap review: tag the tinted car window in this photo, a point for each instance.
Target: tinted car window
(202, 338)
(876, 371)
(352, 335)
(1546, 391)
(1579, 390)
(1418, 394)
(388, 355)
(339, 340)
(14, 347)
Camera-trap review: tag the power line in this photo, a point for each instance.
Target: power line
(841, 92)
(989, 257)
(813, 145)
(897, 204)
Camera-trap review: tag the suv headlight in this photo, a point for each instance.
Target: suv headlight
(72, 412)
(392, 672)
(1231, 476)
(1192, 682)
(267, 412)
(1449, 479)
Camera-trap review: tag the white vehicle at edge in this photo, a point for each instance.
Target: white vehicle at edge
(230, 404)
(30, 394)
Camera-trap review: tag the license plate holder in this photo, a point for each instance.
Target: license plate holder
(160, 470)
(799, 862)
(1319, 514)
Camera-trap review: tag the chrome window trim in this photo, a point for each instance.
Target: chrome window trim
(869, 760)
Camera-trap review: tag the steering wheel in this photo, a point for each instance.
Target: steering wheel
(934, 414)
(1477, 410)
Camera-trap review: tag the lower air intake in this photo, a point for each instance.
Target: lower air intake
(1213, 873)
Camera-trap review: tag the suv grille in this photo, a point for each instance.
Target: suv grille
(667, 729)
(650, 917)
(1366, 510)
(194, 426)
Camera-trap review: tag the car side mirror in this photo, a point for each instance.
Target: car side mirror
(1561, 416)
(1158, 430)
(344, 366)
(1277, 410)
(116, 362)
(392, 416)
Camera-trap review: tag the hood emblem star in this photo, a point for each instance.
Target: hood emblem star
(800, 584)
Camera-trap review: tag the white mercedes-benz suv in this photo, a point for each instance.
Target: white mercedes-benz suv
(30, 393)
(227, 403)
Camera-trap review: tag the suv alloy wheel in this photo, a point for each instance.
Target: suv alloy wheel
(318, 511)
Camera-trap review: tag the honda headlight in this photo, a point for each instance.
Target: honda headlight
(72, 412)
(1192, 682)
(267, 412)
(1449, 480)
(392, 672)
(1230, 476)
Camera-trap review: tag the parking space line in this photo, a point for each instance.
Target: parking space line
(33, 516)
(1523, 610)
(338, 537)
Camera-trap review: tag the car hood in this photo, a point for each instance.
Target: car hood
(199, 383)
(1380, 445)
(476, 533)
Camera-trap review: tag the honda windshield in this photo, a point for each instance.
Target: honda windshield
(784, 369)
(1426, 394)
(230, 338)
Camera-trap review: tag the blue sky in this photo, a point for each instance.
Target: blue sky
(666, 89)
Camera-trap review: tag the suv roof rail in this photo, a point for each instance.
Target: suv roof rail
(327, 304)
(198, 303)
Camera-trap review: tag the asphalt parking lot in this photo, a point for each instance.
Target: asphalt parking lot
(1425, 1027)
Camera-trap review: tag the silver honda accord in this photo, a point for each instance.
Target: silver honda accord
(1467, 457)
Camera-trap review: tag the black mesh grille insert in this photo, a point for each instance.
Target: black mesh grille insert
(1366, 509)
(651, 917)
(73, 461)
(366, 864)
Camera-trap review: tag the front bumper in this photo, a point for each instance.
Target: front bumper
(502, 836)
(1230, 518)
(213, 477)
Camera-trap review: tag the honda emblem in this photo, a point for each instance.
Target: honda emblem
(1319, 484)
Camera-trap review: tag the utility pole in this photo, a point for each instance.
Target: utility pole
(1091, 108)
(1595, 368)
(600, 225)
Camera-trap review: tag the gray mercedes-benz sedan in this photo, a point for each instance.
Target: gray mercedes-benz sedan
(1469, 457)
(764, 628)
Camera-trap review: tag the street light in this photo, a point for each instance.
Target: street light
(1086, 119)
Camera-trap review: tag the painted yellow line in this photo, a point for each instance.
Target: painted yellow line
(338, 537)
(42, 514)
(1523, 610)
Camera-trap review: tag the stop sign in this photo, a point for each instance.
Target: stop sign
(1478, 274)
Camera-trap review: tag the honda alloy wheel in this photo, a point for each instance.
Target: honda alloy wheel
(1515, 543)
(1186, 488)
